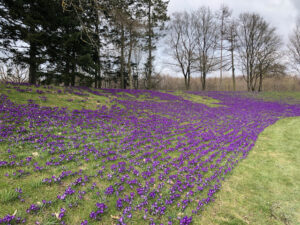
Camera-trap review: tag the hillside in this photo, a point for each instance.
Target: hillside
(107, 156)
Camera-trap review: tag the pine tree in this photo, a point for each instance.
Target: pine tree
(156, 16)
(23, 36)
(70, 54)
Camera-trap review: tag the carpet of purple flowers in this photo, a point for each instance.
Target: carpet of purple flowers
(158, 159)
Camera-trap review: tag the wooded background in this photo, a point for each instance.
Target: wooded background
(113, 44)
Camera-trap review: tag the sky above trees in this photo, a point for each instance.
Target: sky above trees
(281, 14)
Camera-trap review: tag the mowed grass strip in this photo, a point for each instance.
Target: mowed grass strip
(55, 99)
(285, 96)
(264, 189)
(210, 102)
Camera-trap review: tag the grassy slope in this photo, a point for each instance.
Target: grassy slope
(33, 188)
(289, 97)
(197, 98)
(55, 99)
(265, 187)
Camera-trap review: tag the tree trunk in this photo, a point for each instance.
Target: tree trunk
(122, 57)
(255, 82)
(233, 68)
(189, 81)
(131, 85)
(186, 82)
(203, 81)
(32, 63)
(67, 74)
(260, 82)
(73, 69)
(98, 82)
(73, 77)
(149, 63)
(221, 66)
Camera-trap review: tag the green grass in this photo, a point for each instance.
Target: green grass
(264, 189)
(55, 99)
(289, 97)
(198, 99)
(8, 195)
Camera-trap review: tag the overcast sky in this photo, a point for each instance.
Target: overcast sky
(281, 14)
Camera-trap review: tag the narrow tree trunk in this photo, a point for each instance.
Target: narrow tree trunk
(67, 74)
(122, 57)
(233, 67)
(188, 79)
(73, 77)
(98, 82)
(248, 85)
(260, 81)
(204, 81)
(221, 66)
(149, 63)
(255, 82)
(131, 85)
(204, 63)
(252, 85)
(248, 73)
(185, 81)
(32, 63)
(73, 69)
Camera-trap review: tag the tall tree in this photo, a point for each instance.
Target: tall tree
(294, 47)
(156, 16)
(223, 16)
(121, 19)
(231, 36)
(22, 32)
(92, 15)
(258, 46)
(269, 56)
(70, 55)
(206, 42)
(182, 44)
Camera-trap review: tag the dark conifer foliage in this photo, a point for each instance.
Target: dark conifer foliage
(23, 32)
(76, 42)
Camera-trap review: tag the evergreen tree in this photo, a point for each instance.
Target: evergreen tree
(156, 16)
(22, 33)
(70, 55)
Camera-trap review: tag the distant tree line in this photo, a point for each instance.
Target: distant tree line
(87, 42)
(111, 43)
(202, 41)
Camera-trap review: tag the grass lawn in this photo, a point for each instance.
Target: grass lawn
(265, 187)
(289, 97)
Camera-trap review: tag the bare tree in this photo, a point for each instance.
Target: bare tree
(137, 64)
(258, 47)
(182, 43)
(294, 47)
(269, 55)
(232, 37)
(14, 73)
(206, 42)
(223, 16)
